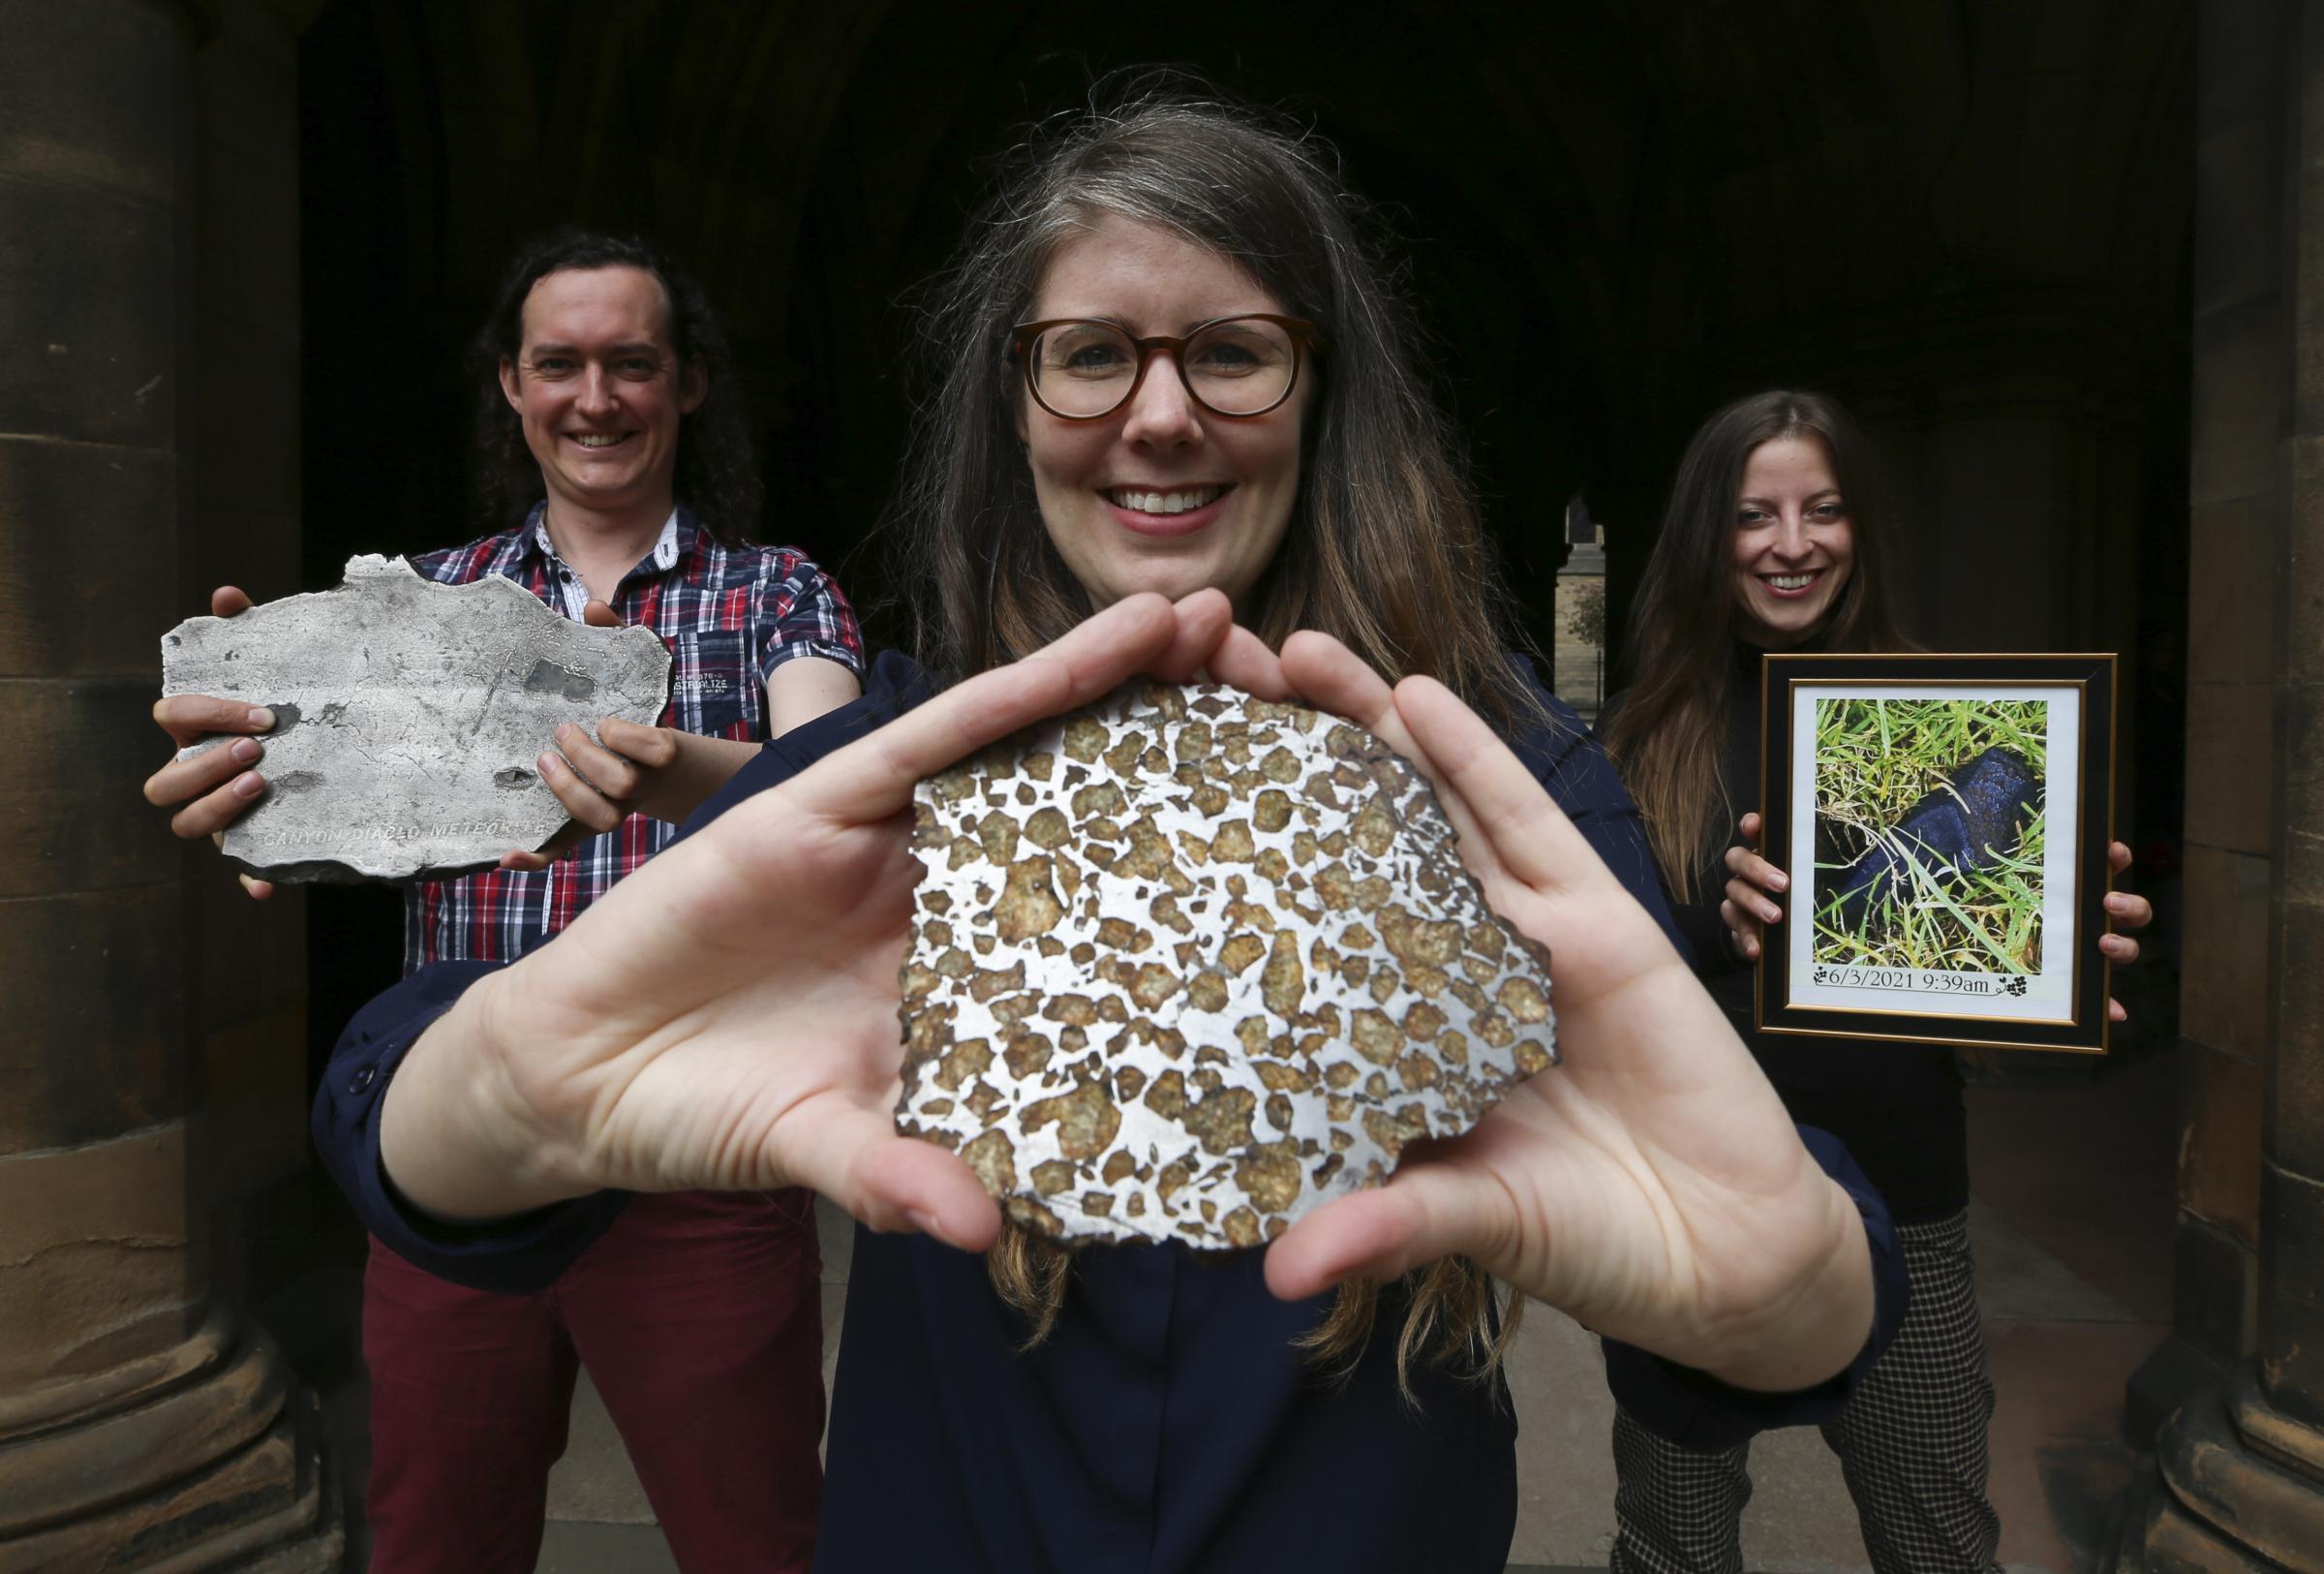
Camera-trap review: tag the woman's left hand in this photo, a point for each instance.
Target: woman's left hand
(2124, 909)
(1651, 1184)
(1751, 888)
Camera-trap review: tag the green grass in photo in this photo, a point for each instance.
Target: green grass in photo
(1874, 760)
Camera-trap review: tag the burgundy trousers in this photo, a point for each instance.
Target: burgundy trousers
(699, 1317)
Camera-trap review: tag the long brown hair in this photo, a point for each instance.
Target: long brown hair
(1385, 549)
(1665, 733)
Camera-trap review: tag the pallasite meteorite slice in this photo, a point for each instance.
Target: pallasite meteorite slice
(1187, 963)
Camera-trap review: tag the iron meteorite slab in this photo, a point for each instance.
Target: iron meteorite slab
(1187, 963)
(408, 718)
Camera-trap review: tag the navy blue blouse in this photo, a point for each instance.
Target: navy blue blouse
(1168, 1423)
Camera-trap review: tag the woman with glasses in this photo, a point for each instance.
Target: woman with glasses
(1777, 537)
(1170, 388)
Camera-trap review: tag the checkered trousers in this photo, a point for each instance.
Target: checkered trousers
(1911, 1446)
(730, 616)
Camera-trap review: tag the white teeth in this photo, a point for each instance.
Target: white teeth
(1790, 582)
(1168, 502)
(596, 439)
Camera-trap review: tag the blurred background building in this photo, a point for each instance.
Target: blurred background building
(1577, 615)
(2063, 256)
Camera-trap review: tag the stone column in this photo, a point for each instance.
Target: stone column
(144, 1424)
(2239, 1482)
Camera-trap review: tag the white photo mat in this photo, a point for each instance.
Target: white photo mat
(2049, 995)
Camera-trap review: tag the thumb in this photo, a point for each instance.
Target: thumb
(645, 745)
(1421, 1216)
(599, 615)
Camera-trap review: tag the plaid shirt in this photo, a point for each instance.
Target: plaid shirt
(730, 616)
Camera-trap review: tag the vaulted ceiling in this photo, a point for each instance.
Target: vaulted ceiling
(1618, 210)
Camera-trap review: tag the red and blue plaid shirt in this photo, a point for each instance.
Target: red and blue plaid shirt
(730, 616)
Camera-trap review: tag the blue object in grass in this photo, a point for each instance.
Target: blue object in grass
(1965, 825)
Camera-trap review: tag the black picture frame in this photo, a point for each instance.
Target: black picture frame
(1946, 886)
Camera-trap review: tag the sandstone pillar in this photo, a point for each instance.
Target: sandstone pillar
(144, 1424)
(2239, 1482)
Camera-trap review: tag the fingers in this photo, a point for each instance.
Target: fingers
(873, 777)
(1210, 642)
(189, 718)
(1417, 1218)
(219, 781)
(1749, 900)
(1747, 906)
(213, 813)
(2128, 911)
(853, 1156)
(533, 861)
(1243, 660)
(2126, 908)
(1524, 830)
(1204, 619)
(600, 615)
(917, 1185)
(1331, 677)
(650, 747)
(184, 778)
(597, 780)
(614, 770)
(581, 799)
(258, 889)
(1746, 864)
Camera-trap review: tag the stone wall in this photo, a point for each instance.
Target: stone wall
(2237, 512)
(249, 961)
(143, 1421)
(2238, 1480)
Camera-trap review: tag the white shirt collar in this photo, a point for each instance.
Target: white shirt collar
(571, 591)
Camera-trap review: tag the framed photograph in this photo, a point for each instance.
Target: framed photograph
(1943, 821)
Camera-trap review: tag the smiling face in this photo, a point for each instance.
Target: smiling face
(598, 389)
(1793, 544)
(1160, 495)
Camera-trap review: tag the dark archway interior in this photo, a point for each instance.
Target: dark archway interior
(1971, 222)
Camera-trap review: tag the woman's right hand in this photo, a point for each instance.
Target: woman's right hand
(219, 786)
(1751, 888)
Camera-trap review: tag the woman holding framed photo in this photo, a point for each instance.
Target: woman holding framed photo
(1778, 537)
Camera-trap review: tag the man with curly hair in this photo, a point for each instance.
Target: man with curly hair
(617, 480)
